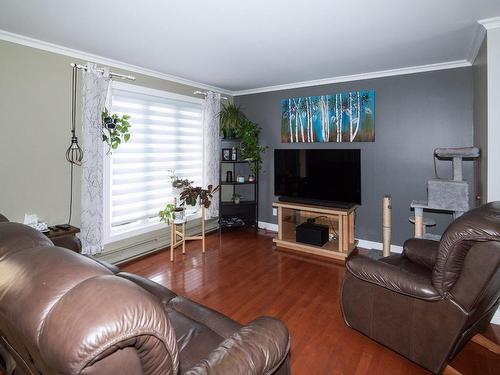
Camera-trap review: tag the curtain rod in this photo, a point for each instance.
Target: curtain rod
(111, 74)
(205, 94)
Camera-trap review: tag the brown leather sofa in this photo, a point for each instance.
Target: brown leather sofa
(427, 302)
(68, 241)
(64, 313)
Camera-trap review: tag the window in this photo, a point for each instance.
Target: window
(166, 134)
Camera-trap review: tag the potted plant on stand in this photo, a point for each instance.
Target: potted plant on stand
(190, 195)
(178, 184)
(171, 214)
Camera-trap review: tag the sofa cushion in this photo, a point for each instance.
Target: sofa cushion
(220, 324)
(195, 341)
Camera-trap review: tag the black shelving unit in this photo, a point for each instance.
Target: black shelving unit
(245, 213)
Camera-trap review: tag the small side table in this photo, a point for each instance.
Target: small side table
(66, 238)
(179, 237)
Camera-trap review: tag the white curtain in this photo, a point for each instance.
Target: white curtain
(95, 87)
(211, 109)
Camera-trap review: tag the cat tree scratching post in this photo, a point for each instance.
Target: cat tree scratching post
(444, 194)
(387, 225)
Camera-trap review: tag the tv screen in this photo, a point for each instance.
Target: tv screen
(317, 176)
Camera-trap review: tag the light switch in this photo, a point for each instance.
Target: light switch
(275, 211)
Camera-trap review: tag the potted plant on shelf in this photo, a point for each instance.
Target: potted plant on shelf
(115, 129)
(250, 149)
(230, 117)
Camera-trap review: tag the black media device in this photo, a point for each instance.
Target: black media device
(318, 176)
(312, 234)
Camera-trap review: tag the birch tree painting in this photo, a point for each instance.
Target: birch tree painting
(344, 117)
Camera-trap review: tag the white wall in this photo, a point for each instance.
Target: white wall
(35, 97)
(493, 41)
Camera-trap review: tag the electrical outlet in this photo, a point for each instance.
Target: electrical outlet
(275, 212)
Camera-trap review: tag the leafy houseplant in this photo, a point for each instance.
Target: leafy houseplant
(191, 194)
(230, 117)
(236, 198)
(250, 150)
(115, 129)
(178, 183)
(167, 215)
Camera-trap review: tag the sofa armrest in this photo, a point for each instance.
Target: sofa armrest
(391, 277)
(422, 252)
(255, 349)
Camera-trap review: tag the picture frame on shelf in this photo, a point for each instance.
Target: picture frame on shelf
(226, 154)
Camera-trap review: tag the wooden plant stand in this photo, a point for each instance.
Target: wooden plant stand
(339, 221)
(178, 238)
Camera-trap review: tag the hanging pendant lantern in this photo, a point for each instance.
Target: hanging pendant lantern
(74, 153)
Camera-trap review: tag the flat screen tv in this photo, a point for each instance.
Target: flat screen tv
(322, 177)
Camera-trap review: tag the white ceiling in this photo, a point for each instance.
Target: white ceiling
(240, 45)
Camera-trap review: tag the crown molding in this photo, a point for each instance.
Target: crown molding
(50, 47)
(490, 23)
(358, 77)
(477, 40)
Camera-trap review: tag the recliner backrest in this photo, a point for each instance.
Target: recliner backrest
(61, 312)
(477, 225)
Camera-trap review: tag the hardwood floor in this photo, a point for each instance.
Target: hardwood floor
(242, 276)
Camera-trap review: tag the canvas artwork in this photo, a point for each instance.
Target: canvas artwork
(344, 117)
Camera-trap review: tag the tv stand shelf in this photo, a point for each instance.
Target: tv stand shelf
(340, 222)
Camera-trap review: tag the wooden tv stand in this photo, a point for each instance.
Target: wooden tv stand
(340, 222)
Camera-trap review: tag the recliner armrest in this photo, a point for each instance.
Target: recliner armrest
(258, 348)
(422, 252)
(391, 277)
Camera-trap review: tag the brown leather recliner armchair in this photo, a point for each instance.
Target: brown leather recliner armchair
(427, 302)
(63, 313)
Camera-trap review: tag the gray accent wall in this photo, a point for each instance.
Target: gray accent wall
(414, 114)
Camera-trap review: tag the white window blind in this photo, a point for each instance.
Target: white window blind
(166, 134)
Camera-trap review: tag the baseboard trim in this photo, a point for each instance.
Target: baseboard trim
(378, 246)
(268, 226)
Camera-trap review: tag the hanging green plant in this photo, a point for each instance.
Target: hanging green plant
(230, 118)
(250, 149)
(115, 129)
